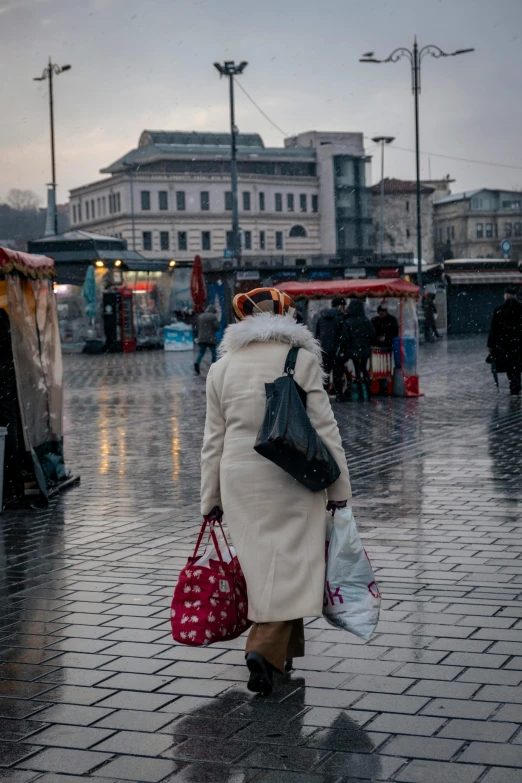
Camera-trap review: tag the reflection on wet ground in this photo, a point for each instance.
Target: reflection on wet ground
(91, 685)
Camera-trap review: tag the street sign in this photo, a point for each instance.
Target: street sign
(505, 246)
(228, 253)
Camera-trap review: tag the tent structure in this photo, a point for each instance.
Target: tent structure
(360, 288)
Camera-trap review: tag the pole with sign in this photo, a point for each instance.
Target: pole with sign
(505, 246)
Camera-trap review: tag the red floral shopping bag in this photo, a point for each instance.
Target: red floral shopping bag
(210, 600)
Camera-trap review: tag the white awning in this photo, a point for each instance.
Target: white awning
(485, 278)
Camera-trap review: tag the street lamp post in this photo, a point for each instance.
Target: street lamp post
(49, 71)
(230, 69)
(415, 56)
(382, 140)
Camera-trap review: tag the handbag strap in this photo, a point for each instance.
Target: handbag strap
(291, 359)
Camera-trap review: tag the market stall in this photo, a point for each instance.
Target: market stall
(30, 378)
(397, 367)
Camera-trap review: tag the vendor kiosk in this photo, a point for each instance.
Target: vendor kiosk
(397, 367)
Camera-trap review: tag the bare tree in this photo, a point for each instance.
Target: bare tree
(23, 200)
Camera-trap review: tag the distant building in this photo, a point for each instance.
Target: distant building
(303, 203)
(473, 224)
(400, 215)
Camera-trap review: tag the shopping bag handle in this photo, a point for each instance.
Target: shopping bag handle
(211, 534)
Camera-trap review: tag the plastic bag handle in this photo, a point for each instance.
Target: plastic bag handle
(211, 534)
(218, 521)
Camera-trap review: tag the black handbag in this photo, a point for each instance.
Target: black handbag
(287, 437)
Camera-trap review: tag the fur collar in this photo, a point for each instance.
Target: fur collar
(264, 327)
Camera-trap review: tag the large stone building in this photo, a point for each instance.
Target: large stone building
(400, 215)
(306, 202)
(473, 224)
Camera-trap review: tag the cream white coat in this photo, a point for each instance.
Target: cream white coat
(277, 525)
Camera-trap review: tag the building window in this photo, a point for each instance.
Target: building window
(205, 200)
(261, 202)
(180, 200)
(104, 206)
(248, 240)
(278, 202)
(507, 229)
(246, 201)
(79, 212)
(518, 229)
(205, 240)
(262, 240)
(163, 200)
(489, 230)
(98, 206)
(407, 206)
(480, 230)
(182, 238)
(93, 214)
(145, 199)
(315, 203)
(228, 200)
(298, 232)
(303, 202)
(279, 240)
(230, 240)
(290, 202)
(146, 238)
(118, 202)
(407, 233)
(164, 240)
(74, 213)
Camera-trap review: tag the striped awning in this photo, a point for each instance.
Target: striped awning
(485, 278)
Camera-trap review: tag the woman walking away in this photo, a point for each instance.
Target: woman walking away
(207, 326)
(276, 524)
(357, 337)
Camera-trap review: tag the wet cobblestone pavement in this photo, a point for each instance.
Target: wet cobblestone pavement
(91, 684)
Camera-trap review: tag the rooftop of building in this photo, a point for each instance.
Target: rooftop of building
(468, 194)
(400, 186)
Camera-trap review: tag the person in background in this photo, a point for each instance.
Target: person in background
(277, 525)
(430, 312)
(357, 338)
(207, 326)
(328, 332)
(505, 338)
(386, 327)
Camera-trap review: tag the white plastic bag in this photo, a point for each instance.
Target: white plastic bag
(351, 597)
(210, 552)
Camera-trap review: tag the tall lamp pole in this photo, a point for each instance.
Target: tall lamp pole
(130, 171)
(415, 56)
(382, 140)
(230, 69)
(50, 70)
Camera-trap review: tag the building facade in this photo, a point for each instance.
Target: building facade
(473, 224)
(400, 215)
(305, 203)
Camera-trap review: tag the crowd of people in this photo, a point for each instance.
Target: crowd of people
(347, 335)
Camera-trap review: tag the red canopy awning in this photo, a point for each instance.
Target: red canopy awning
(361, 287)
(26, 263)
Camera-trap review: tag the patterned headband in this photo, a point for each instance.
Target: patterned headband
(263, 300)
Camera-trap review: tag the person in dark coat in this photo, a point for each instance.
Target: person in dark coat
(430, 312)
(386, 327)
(505, 339)
(328, 332)
(357, 337)
(207, 326)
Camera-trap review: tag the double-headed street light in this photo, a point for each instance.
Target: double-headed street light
(415, 57)
(230, 69)
(382, 140)
(50, 70)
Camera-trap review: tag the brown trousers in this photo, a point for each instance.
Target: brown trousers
(277, 642)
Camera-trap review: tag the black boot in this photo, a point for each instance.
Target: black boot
(261, 673)
(196, 368)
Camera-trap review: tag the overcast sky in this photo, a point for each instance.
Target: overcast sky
(148, 64)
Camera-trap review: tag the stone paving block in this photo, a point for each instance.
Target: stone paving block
(216, 773)
(491, 676)
(138, 768)
(440, 772)
(197, 749)
(130, 742)
(131, 681)
(501, 693)
(133, 700)
(135, 720)
(213, 727)
(453, 708)
(372, 667)
(424, 747)
(369, 684)
(486, 731)
(451, 690)
(15, 752)
(361, 765)
(19, 708)
(72, 694)
(502, 775)
(71, 736)
(428, 672)
(75, 762)
(194, 687)
(482, 660)
(405, 724)
(501, 755)
(326, 717)
(380, 702)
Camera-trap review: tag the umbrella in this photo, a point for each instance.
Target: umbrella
(197, 286)
(89, 293)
